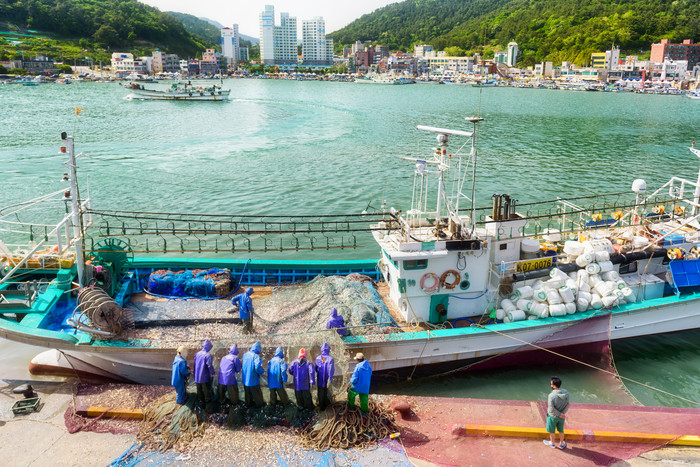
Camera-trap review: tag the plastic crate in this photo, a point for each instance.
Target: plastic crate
(686, 273)
(24, 406)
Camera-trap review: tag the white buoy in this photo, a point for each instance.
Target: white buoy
(524, 305)
(603, 288)
(507, 305)
(506, 319)
(573, 248)
(593, 268)
(584, 260)
(601, 256)
(555, 283)
(567, 295)
(584, 287)
(570, 308)
(540, 295)
(594, 279)
(596, 302)
(557, 310)
(573, 285)
(541, 310)
(558, 274)
(517, 315)
(606, 266)
(608, 300)
(621, 284)
(582, 304)
(524, 292)
(610, 276)
(553, 297)
(584, 295)
(628, 293)
(532, 317)
(500, 314)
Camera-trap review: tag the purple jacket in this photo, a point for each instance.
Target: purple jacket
(303, 372)
(336, 321)
(325, 367)
(229, 366)
(203, 368)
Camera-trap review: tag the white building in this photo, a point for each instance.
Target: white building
(286, 40)
(267, 35)
(230, 44)
(316, 49)
(450, 66)
(124, 64)
(513, 51)
(423, 50)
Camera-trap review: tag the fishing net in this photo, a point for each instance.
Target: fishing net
(199, 283)
(340, 426)
(167, 424)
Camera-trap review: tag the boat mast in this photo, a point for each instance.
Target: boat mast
(69, 148)
(696, 195)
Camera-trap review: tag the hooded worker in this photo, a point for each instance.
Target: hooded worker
(276, 377)
(245, 308)
(359, 383)
(336, 322)
(303, 372)
(252, 369)
(180, 374)
(229, 366)
(325, 368)
(204, 372)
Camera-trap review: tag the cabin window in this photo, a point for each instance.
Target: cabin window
(628, 268)
(415, 264)
(503, 246)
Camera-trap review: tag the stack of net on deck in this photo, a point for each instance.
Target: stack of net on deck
(167, 423)
(340, 426)
(201, 283)
(292, 317)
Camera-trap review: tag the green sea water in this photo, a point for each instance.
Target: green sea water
(289, 147)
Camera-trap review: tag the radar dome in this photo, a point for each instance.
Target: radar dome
(639, 186)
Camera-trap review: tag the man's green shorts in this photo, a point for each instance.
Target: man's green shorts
(555, 423)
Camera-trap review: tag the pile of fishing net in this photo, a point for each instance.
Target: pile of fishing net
(340, 426)
(166, 423)
(197, 283)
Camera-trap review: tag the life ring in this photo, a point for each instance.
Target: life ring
(432, 288)
(455, 281)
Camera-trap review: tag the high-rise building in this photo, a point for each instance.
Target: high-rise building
(316, 49)
(230, 44)
(512, 57)
(267, 35)
(286, 40)
(685, 51)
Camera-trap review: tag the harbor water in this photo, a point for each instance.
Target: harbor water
(291, 147)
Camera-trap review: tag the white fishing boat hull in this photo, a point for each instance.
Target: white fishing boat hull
(179, 96)
(153, 366)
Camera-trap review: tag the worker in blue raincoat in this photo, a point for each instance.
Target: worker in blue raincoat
(336, 322)
(245, 309)
(229, 366)
(204, 372)
(276, 377)
(359, 383)
(180, 374)
(252, 369)
(325, 369)
(304, 378)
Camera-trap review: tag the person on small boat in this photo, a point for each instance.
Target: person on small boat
(229, 366)
(325, 368)
(276, 377)
(336, 322)
(252, 369)
(180, 374)
(204, 372)
(359, 383)
(245, 309)
(304, 378)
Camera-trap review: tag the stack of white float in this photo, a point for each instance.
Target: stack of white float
(594, 286)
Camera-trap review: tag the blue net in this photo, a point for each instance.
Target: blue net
(204, 283)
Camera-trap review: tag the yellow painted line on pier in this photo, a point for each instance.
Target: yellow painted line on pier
(114, 413)
(606, 436)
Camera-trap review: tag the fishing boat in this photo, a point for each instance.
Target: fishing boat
(384, 79)
(178, 92)
(454, 283)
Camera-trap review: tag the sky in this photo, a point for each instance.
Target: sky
(245, 13)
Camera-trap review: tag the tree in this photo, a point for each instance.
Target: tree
(455, 51)
(17, 71)
(106, 35)
(66, 69)
(3, 70)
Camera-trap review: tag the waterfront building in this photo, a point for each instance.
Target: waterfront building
(209, 64)
(500, 57)
(124, 64)
(231, 44)
(607, 60)
(445, 66)
(401, 63)
(39, 64)
(267, 35)
(423, 50)
(688, 51)
(317, 50)
(165, 63)
(192, 67)
(244, 54)
(512, 56)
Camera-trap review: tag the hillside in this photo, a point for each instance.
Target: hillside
(553, 30)
(111, 24)
(199, 26)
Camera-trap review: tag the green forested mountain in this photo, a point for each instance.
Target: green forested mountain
(553, 30)
(198, 26)
(112, 24)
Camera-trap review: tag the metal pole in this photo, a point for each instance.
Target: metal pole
(75, 208)
(696, 195)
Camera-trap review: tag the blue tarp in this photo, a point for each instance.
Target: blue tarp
(186, 283)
